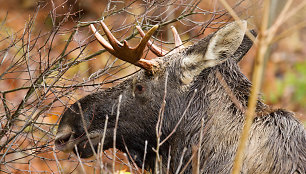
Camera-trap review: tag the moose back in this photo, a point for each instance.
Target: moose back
(201, 82)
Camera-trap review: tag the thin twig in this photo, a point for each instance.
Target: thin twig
(144, 157)
(180, 120)
(235, 16)
(86, 131)
(159, 125)
(58, 164)
(115, 132)
(169, 160)
(181, 161)
(80, 161)
(102, 141)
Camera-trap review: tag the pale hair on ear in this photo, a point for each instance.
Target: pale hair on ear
(221, 46)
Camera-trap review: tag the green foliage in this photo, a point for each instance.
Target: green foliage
(299, 82)
(294, 83)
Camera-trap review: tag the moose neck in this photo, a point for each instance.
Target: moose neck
(220, 101)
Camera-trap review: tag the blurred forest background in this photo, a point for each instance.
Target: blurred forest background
(49, 59)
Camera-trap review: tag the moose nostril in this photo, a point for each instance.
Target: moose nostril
(60, 140)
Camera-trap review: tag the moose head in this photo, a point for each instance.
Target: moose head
(175, 90)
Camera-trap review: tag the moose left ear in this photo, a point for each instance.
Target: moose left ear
(244, 47)
(225, 42)
(212, 50)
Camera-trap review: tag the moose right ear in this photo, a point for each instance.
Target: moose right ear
(244, 47)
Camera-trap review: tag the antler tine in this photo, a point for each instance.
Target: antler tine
(158, 51)
(117, 45)
(177, 40)
(111, 38)
(145, 39)
(101, 40)
(155, 49)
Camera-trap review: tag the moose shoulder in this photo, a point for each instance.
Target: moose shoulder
(202, 82)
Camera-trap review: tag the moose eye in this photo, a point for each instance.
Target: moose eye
(139, 88)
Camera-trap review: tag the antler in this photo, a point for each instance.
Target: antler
(158, 51)
(123, 51)
(133, 55)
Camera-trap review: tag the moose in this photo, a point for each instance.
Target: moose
(190, 88)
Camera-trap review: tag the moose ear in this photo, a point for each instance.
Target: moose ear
(244, 47)
(225, 42)
(212, 50)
